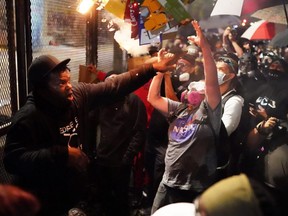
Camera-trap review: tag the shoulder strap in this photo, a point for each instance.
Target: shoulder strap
(222, 162)
(228, 96)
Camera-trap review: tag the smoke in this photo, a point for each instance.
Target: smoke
(123, 37)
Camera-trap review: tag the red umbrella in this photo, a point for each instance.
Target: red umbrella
(262, 30)
(241, 7)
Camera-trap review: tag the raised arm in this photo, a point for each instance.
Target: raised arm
(169, 90)
(212, 90)
(229, 37)
(154, 96)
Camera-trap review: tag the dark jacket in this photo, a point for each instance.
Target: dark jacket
(123, 130)
(37, 141)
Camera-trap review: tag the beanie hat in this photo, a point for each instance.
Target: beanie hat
(231, 196)
(42, 66)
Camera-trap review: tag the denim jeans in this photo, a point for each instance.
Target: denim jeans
(167, 195)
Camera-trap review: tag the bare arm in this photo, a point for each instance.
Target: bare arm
(257, 135)
(237, 48)
(228, 36)
(212, 90)
(154, 96)
(157, 101)
(169, 91)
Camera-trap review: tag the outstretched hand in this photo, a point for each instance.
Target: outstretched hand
(228, 34)
(259, 112)
(200, 39)
(165, 62)
(162, 54)
(92, 69)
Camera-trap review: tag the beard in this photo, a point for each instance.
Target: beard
(56, 99)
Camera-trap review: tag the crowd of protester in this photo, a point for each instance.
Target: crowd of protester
(229, 89)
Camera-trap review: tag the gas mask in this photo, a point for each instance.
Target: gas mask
(184, 77)
(246, 70)
(181, 73)
(194, 94)
(251, 73)
(193, 98)
(247, 65)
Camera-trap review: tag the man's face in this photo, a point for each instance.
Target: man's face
(224, 75)
(222, 66)
(60, 87)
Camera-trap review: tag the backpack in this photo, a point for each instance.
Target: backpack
(229, 148)
(223, 150)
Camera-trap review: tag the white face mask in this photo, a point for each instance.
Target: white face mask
(221, 75)
(184, 77)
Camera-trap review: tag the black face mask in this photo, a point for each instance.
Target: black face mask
(245, 67)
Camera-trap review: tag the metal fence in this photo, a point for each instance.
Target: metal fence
(32, 28)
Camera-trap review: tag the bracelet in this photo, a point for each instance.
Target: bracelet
(260, 129)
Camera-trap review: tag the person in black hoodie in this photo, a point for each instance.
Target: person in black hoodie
(121, 134)
(46, 146)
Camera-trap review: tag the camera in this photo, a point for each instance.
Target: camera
(280, 128)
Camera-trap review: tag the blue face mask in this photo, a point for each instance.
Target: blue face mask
(221, 77)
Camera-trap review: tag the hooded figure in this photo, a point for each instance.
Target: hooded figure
(236, 195)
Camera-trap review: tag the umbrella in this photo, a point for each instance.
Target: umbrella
(275, 14)
(241, 7)
(262, 30)
(220, 21)
(280, 39)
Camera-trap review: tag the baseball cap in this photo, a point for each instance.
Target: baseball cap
(43, 65)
